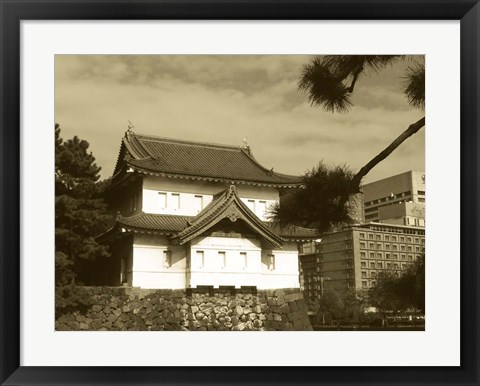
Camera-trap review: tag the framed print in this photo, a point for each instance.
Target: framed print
(239, 193)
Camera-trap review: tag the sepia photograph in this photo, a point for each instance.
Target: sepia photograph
(240, 193)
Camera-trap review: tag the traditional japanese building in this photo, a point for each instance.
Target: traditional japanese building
(194, 214)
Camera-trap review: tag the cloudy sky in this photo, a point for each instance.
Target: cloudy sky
(223, 99)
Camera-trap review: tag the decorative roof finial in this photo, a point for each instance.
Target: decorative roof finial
(130, 128)
(246, 146)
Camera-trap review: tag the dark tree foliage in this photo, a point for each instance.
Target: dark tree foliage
(329, 82)
(395, 293)
(80, 213)
(317, 205)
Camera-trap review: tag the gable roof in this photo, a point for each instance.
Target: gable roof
(226, 205)
(187, 159)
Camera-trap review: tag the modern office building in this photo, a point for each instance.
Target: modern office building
(399, 199)
(355, 256)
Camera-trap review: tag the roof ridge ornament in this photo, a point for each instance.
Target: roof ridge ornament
(129, 131)
(245, 145)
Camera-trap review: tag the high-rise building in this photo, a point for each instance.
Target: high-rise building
(399, 199)
(354, 257)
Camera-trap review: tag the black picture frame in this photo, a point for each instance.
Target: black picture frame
(14, 11)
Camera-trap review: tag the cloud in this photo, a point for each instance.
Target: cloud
(225, 98)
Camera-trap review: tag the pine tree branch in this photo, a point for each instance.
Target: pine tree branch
(357, 179)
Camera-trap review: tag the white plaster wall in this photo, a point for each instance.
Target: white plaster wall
(187, 189)
(232, 271)
(149, 270)
(285, 273)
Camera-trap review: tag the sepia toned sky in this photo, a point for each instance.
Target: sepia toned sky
(223, 99)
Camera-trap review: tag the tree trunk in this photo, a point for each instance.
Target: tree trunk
(357, 179)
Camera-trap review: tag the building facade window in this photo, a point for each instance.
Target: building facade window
(200, 259)
(271, 262)
(167, 259)
(175, 198)
(198, 203)
(162, 200)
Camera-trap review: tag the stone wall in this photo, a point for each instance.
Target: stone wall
(122, 309)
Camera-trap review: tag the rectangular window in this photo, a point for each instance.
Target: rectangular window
(362, 235)
(200, 259)
(387, 238)
(362, 254)
(222, 258)
(379, 246)
(198, 203)
(364, 274)
(410, 257)
(402, 239)
(395, 256)
(387, 246)
(380, 265)
(389, 265)
(167, 259)
(378, 237)
(175, 201)
(372, 255)
(162, 200)
(402, 248)
(364, 284)
(370, 236)
(243, 259)
(387, 255)
(363, 264)
(379, 255)
(371, 245)
(373, 274)
(372, 265)
(362, 245)
(394, 238)
(271, 262)
(403, 257)
(409, 239)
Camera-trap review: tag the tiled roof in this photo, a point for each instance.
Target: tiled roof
(177, 158)
(155, 222)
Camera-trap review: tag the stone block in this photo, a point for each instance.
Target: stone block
(277, 317)
(284, 308)
(280, 300)
(296, 315)
(293, 306)
(294, 296)
(239, 310)
(97, 308)
(247, 310)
